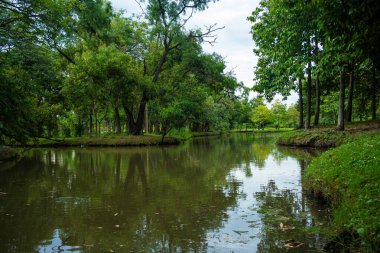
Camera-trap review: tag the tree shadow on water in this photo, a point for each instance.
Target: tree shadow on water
(288, 222)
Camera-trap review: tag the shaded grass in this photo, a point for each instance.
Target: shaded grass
(112, 141)
(327, 136)
(348, 177)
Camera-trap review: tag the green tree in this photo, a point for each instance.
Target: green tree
(278, 113)
(261, 116)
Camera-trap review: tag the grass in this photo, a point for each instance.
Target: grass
(327, 136)
(348, 177)
(111, 141)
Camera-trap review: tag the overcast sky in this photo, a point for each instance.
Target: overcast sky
(234, 42)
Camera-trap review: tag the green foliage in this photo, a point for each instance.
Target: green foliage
(260, 115)
(332, 40)
(84, 69)
(278, 113)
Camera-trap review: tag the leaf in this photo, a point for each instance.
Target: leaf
(239, 232)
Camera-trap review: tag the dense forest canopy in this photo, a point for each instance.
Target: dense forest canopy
(320, 48)
(74, 68)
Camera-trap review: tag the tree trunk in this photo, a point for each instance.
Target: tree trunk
(138, 130)
(96, 123)
(300, 102)
(130, 122)
(91, 124)
(308, 96)
(317, 102)
(317, 88)
(117, 120)
(340, 126)
(157, 127)
(350, 94)
(138, 125)
(374, 98)
(147, 130)
(158, 69)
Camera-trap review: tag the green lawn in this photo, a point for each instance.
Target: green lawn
(327, 136)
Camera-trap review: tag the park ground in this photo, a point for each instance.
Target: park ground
(346, 177)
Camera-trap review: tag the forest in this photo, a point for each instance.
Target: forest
(80, 68)
(326, 51)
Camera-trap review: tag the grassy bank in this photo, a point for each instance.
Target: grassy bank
(348, 177)
(266, 130)
(327, 136)
(102, 141)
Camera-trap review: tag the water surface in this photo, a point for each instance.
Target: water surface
(229, 194)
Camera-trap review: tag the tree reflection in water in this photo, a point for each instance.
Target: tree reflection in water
(286, 217)
(153, 199)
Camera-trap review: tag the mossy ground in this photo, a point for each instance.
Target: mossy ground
(327, 136)
(349, 178)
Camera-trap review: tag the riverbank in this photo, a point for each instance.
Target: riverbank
(8, 153)
(103, 141)
(327, 136)
(189, 135)
(348, 177)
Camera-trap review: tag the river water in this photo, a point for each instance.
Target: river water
(237, 193)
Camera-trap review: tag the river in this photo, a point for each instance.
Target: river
(237, 193)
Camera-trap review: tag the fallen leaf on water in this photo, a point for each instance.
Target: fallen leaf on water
(286, 227)
(291, 244)
(240, 232)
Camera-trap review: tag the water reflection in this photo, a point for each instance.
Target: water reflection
(205, 195)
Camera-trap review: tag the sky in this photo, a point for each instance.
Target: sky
(234, 42)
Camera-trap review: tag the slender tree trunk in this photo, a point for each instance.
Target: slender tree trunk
(300, 101)
(340, 126)
(317, 88)
(374, 90)
(308, 96)
(158, 69)
(147, 130)
(96, 123)
(91, 124)
(350, 94)
(317, 102)
(117, 120)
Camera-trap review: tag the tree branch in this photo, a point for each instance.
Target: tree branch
(142, 9)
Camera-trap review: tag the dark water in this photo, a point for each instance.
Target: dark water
(229, 194)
